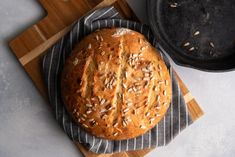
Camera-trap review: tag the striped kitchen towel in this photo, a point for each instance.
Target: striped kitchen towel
(175, 120)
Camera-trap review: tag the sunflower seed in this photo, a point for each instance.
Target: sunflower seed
(124, 123)
(103, 110)
(142, 127)
(101, 38)
(110, 57)
(88, 112)
(147, 114)
(74, 111)
(146, 74)
(115, 124)
(196, 33)
(85, 125)
(158, 97)
(212, 44)
(93, 99)
(89, 46)
(135, 55)
(134, 89)
(129, 104)
(158, 107)
(103, 53)
(97, 37)
(146, 79)
(145, 70)
(155, 88)
(129, 90)
(115, 134)
(174, 5)
(88, 105)
(159, 67)
(186, 44)
(75, 62)
(93, 123)
(102, 101)
(164, 92)
(126, 110)
(192, 49)
(90, 120)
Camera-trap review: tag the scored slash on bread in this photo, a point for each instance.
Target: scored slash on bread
(115, 84)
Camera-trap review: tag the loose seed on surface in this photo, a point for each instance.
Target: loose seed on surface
(192, 49)
(212, 44)
(186, 44)
(196, 33)
(174, 5)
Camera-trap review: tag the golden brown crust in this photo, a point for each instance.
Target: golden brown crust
(115, 84)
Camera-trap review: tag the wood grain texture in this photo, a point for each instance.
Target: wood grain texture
(30, 46)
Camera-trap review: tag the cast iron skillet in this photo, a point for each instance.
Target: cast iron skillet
(196, 33)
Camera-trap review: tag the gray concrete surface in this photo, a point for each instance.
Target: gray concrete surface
(27, 127)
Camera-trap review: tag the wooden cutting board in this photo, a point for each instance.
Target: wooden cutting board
(30, 46)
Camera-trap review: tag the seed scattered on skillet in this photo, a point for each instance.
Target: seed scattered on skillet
(212, 44)
(174, 5)
(196, 33)
(186, 44)
(192, 49)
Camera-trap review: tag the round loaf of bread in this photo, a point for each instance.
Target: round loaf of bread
(115, 84)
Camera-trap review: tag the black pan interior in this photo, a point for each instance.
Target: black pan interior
(196, 33)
